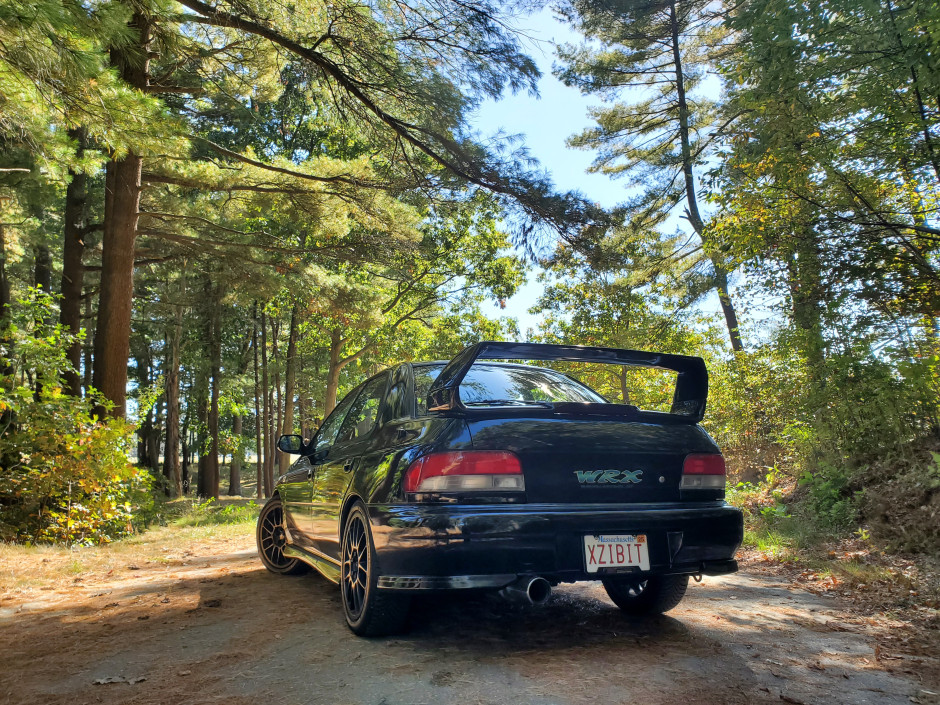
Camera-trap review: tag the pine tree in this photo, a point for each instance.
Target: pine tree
(657, 131)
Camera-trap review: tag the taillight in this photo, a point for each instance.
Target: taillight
(461, 471)
(702, 471)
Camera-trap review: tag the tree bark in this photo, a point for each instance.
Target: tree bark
(804, 270)
(624, 389)
(277, 406)
(113, 329)
(171, 453)
(215, 355)
(695, 218)
(267, 468)
(235, 469)
(73, 267)
(5, 367)
(42, 274)
(290, 378)
(42, 279)
(201, 394)
(143, 366)
(259, 451)
(332, 375)
(88, 347)
(208, 480)
(153, 449)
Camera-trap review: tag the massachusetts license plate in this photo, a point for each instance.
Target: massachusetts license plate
(616, 551)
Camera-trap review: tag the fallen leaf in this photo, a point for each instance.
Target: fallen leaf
(108, 679)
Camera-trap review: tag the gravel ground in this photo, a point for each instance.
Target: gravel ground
(212, 626)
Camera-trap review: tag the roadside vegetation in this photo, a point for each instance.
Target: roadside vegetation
(217, 219)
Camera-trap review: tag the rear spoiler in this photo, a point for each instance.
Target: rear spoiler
(688, 400)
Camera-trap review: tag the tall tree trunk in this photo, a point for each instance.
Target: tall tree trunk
(290, 377)
(156, 434)
(88, 347)
(277, 406)
(113, 329)
(695, 218)
(42, 274)
(332, 375)
(806, 296)
(42, 279)
(73, 267)
(6, 368)
(235, 469)
(215, 355)
(171, 452)
(201, 394)
(143, 365)
(266, 421)
(259, 451)
(185, 444)
(624, 388)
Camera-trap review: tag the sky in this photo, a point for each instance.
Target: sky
(546, 122)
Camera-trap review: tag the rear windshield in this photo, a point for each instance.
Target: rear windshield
(489, 383)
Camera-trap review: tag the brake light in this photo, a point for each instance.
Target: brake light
(484, 470)
(703, 471)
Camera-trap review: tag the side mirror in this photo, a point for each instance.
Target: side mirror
(290, 444)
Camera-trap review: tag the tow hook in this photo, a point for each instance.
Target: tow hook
(697, 577)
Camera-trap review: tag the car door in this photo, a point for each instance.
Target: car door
(297, 491)
(332, 476)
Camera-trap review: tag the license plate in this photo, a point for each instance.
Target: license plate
(616, 551)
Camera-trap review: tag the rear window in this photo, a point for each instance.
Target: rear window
(486, 383)
(493, 383)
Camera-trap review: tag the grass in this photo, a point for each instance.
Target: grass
(824, 555)
(181, 524)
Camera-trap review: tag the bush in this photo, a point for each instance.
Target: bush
(64, 476)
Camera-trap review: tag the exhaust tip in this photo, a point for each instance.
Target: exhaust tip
(538, 591)
(527, 589)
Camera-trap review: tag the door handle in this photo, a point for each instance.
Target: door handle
(348, 465)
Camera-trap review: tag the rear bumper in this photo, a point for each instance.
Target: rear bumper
(488, 546)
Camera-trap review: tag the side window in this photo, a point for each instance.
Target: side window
(424, 378)
(327, 433)
(362, 415)
(394, 401)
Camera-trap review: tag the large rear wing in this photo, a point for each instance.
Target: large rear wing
(688, 400)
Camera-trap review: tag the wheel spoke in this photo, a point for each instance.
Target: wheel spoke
(272, 539)
(355, 567)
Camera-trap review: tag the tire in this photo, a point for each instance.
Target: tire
(272, 538)
(369, 611)
(654, 595)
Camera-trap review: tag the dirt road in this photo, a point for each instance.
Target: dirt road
(209, 625)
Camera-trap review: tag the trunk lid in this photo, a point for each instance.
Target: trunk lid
(593, 459)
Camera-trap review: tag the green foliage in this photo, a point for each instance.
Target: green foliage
(210, 513)
(64, 476)
(831, 499)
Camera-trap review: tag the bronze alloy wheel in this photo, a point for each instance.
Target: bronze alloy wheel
(369, 611)
(355, 570)
(272, 539)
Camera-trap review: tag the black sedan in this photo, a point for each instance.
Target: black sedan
(483, 474)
